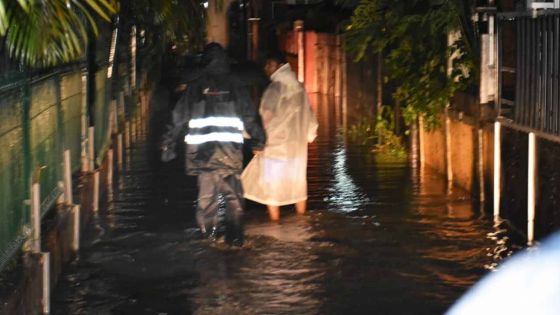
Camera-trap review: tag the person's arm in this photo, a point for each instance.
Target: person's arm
(179, 119)
(313, 124)
(250, 121)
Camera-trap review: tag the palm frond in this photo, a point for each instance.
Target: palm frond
(46, 33)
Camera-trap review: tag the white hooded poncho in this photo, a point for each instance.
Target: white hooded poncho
(278, 176)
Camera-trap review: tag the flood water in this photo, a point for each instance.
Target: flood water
(379, 238)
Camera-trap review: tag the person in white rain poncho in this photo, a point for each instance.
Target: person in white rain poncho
(277, 176)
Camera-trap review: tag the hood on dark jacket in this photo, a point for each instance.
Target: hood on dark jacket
(214, 59)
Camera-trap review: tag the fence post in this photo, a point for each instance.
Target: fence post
(91, 148)
(497, 168)
(110, 167)
(36, 217)
(96, 190)
(448, 153)
(84, 148)
(127, 134)
(120, 151)
(481, 185)
(114, 118)
(76, 209)
(531, 181)
(44, 257)
(68, 178)
(298, 27)
(46, 270)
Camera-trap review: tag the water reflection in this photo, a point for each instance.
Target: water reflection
(344, 194)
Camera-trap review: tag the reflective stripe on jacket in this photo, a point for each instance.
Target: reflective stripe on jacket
(212, 115)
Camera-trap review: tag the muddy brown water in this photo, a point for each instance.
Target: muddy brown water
(379, 238)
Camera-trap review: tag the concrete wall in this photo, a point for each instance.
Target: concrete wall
(463, 153)
(217, 23)
(434, 149)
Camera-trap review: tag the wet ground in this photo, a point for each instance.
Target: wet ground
(379, 238)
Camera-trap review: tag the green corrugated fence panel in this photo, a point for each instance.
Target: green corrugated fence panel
(45, 150)
(13, 215)
(101, 112)
(71, 101)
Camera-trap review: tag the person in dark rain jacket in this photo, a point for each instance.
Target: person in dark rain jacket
(215, 113)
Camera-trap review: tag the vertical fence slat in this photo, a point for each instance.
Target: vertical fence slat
(550, 73)
(525, 65)
(519, 73)
(556, 82)
(499, 63)
(543, 73)
(533, 66)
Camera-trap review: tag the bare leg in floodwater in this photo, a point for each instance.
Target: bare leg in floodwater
(273, 212)
(301, 206)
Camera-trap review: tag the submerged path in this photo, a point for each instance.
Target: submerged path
(379, 238)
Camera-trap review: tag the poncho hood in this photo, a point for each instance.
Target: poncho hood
(215, 59)
(285, 75)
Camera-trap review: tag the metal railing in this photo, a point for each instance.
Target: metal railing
(528, 70)
(41, 117)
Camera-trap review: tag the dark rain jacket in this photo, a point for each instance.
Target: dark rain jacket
(213, 115)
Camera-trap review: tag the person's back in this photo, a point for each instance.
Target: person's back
(215, 112)
(277, 177)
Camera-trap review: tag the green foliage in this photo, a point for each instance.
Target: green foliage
(45, 33)
(412, 35)
(180, 22)
(363, 132)
(40, 33)
(380, 135)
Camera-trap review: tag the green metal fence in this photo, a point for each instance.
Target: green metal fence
(73, 115)
(41, 117)
(13, 187)
(102, 112)
(45, 139)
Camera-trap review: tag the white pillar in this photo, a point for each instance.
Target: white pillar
(531, 181)
(497, 168)
(298, 28)
(46, 299)
(76, 209)
(110, 166)
(36, 217)
(68, 178)
(96, 191)
(481, 185)
(91, 148)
